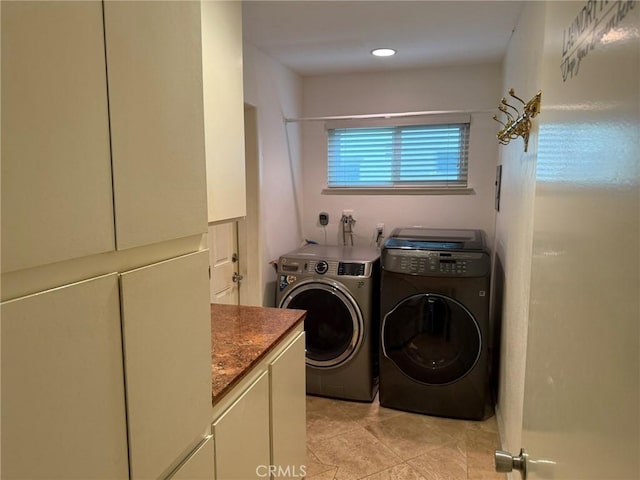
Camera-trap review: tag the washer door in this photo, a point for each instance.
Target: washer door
(431, 338)
(333, 325)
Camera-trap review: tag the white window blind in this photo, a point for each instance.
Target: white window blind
(399, 156)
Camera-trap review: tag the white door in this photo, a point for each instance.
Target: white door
(582, 402)
(223, 258)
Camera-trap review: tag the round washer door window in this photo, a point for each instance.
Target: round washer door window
(431, 338)
(333, 325)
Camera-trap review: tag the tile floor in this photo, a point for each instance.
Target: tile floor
(352, 440)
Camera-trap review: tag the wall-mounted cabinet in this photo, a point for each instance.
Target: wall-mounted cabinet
(223, 109)
(57, 201)
(71, 151)
(154, 60)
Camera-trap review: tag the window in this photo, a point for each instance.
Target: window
(424, 156)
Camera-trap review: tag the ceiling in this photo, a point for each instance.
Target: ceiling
(327, 37)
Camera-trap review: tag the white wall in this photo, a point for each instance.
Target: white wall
(514, 228)
(276, 92)
(472, 88)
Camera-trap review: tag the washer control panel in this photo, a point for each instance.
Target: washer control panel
(322, 267)
(352, 269)
(436, 263)
(325, 267)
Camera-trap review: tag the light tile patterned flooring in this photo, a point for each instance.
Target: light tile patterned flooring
(352, 440)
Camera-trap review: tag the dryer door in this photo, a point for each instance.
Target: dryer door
(333, 325)
(431, 338)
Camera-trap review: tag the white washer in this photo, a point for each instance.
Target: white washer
(338, 287)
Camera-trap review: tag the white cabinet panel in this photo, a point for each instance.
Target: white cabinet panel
(154, 59)
(56, 170)
(288, 409)
(242, 435)
(63, 405)
(200, 465)
(167, 345)
(223, 109)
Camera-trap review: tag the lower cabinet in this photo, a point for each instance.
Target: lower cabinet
(199, 465)
(167, 360)
(64, 377)
(242, 434)
(288, 412)
(63, 402)
(260, 425)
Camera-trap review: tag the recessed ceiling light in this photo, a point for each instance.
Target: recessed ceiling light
(383, 52)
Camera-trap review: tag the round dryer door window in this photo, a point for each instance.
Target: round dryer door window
(333, 325)
(431, 338)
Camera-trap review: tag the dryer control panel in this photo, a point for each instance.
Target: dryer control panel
(436, 263)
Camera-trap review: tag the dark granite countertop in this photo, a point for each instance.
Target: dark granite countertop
(240, 337)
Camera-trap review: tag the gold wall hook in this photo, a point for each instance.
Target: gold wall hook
(495, 117)
(504, 102)
(512, 92)
(510, 117)
(518, 126)
(533, 105)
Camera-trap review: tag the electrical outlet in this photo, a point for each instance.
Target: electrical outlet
(380, 228)
(347, 213)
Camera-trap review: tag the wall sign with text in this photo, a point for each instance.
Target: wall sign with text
(596, 23)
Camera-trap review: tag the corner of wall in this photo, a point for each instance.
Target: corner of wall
(276, 93)
(513, 227)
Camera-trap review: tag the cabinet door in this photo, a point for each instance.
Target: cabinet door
(288, 410)
(223, 109)
(200, 464)
(154, 60)
(55, 134)
(63, 405)
(167, 346)
(242, 435)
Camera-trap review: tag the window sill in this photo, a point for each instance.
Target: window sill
(397, 191)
